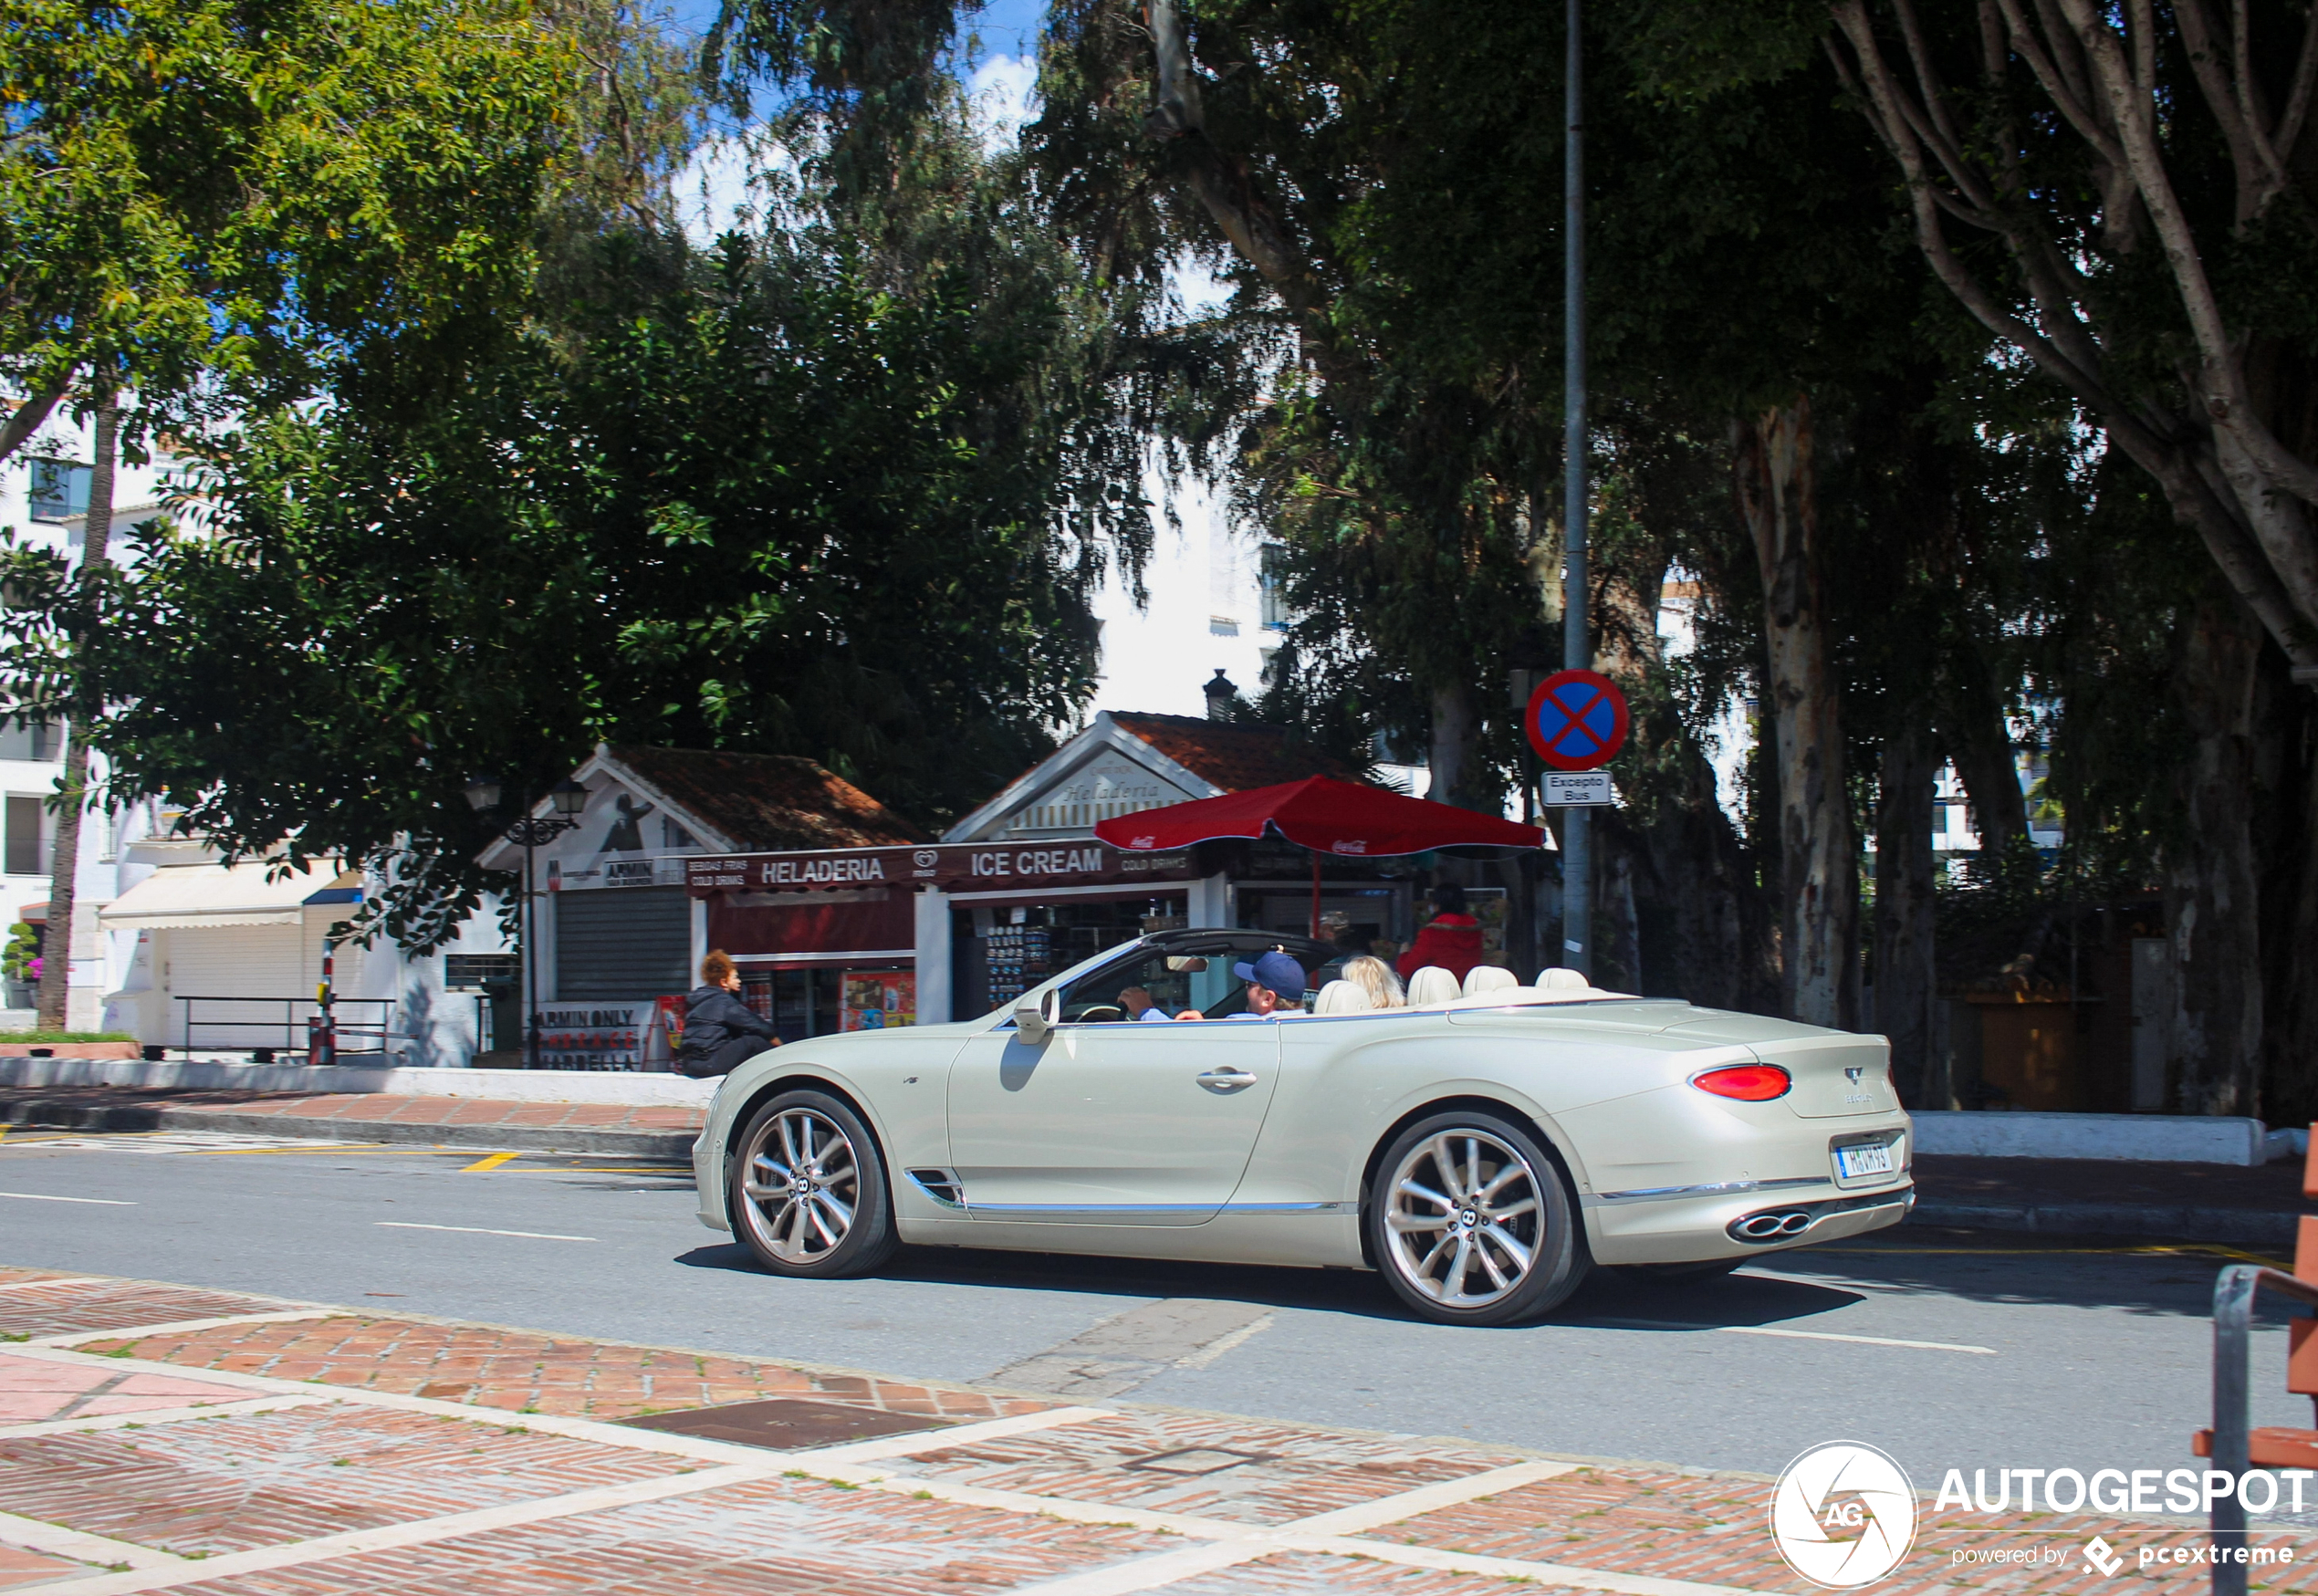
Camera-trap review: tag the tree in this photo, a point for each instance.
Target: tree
(787, 496)
(2121, 196)
(2137, 172)
(205, 204)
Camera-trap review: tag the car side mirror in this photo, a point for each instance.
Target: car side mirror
(1033, 1021)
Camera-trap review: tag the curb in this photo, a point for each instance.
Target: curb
(671, 1146)
(2254, 1225)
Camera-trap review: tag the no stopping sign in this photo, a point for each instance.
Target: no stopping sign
(1576, 720)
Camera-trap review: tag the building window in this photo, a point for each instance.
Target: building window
(1223, 626)
(40, 741)
(673, 835)
(1273, 576)
(59, 490)
(25, 854)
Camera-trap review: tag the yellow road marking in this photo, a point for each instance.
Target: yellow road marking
(488, 1161)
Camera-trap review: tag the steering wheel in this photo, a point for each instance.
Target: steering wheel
(1100, 1013)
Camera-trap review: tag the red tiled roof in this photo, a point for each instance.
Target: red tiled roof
(1233, 755)
(765, 803)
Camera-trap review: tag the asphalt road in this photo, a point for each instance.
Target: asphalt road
(1948, 1350)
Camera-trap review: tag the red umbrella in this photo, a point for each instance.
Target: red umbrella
(1324, 815)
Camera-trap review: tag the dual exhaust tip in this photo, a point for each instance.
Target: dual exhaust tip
(1772, 1226)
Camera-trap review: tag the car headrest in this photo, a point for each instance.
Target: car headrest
(1432, 985)
(1488, 979)
(1342, 997)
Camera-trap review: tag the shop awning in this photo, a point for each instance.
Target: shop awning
(1324, 815)
(210, 896)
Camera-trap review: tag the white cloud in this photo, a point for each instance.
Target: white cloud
(724, 187)
(1004, 90)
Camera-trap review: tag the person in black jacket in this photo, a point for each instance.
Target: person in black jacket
(721, 1032)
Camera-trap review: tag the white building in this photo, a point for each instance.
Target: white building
(44, 500)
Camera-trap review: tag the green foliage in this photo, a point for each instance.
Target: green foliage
(208, 199)
(24, 947)
(809, 497)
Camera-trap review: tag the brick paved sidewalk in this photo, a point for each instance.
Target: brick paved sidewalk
(644, 1130)
(164, 1437)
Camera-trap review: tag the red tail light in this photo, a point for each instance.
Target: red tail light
(1751, 1083)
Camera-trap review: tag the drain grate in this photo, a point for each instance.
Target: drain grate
(1196, 1460)
(786, 1424)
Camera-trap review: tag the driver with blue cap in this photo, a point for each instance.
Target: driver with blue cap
(1275, 982)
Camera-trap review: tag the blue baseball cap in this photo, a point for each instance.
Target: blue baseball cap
(1276, 971)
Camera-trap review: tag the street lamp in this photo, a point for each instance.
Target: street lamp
(528, 832)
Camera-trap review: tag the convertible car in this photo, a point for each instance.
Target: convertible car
(1481, 1154)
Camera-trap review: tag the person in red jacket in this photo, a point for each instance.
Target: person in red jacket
(1451, 939)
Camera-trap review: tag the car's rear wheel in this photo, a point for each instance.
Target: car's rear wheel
(1471, 1223)
(808, 1189)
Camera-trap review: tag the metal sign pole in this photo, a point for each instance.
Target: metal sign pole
(1577, 650)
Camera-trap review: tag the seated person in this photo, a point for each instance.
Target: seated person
(1140, 1006)
(1376, 977)
(1275, 987)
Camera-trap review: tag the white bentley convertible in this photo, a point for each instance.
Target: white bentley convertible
(1480, 1155)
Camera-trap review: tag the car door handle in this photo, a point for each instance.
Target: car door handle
(1225, 1080)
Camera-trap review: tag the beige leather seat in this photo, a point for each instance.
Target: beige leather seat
(1342, 997)
(1431, 985)
(1483, 978)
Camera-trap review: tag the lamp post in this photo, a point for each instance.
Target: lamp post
(528, 832)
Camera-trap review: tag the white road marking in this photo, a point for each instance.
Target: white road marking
(138, 1332)
(1115, 1355)
(1800, 1335)
(1226, 1343)
(45, 1197)
(481, 1230)
(1764, 1330)
(33, 1535)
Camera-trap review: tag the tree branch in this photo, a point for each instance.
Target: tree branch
(31, 414)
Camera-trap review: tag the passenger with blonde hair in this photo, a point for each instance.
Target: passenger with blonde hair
(1376, 977)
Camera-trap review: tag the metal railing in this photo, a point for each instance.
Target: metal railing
(370, 1034)
(2233, 1300)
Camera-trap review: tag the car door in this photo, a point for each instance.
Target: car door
(1110, 1122)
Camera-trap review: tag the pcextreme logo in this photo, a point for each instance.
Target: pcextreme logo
(1844, 1515)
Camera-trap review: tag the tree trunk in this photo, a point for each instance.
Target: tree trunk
(1776, 494)
(2290, 914)
(72, 787)
(1906, 981)
(2211, 899)
(1452, 743)
(1980, 743)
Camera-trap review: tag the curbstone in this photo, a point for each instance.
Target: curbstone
(2252, 1226)
(674, 1146)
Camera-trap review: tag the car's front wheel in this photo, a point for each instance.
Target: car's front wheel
(1471, 1223)
(808, 1189)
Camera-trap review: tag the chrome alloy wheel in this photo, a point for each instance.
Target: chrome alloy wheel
(803, 1184)
(1463, 1218)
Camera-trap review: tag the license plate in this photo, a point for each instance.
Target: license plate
(1866, 1158)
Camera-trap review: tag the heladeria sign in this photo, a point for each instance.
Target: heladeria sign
(953, 867)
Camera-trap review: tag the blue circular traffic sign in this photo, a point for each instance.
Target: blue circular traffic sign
(1576, 720)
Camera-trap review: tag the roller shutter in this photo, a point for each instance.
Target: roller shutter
(622, 944)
